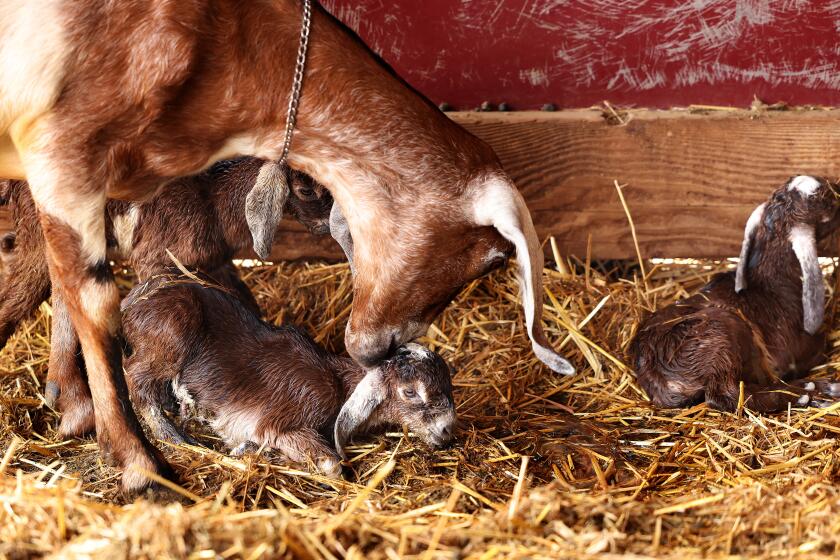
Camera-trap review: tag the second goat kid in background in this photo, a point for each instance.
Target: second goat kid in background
(760, 325)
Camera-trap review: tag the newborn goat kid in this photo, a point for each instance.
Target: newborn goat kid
(265, 385)
(759, 325)
(200, 219)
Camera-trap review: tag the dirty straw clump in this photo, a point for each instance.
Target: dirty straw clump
(544, 466)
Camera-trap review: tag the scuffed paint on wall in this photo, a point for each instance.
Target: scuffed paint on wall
(633, 52)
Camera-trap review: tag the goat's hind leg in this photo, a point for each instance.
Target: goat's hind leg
(162, 427)
(148, 387)
(308, 446)
(66, 388)
(73, 221)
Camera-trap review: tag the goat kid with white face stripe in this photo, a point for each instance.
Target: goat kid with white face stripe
(760, 325)
(260, 385)
(119, 98)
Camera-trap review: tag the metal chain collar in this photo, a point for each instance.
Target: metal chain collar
(297, 83)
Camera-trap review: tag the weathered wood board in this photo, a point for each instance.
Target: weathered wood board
(691, 179)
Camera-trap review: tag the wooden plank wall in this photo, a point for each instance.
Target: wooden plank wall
(691, 179)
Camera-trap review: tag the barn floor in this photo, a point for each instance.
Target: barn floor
(543, 467)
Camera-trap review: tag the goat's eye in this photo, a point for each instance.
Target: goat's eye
(306, 193)
(409, 393)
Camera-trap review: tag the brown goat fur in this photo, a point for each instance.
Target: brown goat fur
(704, 347)
(264, 385)
(118, 98)
(199, 219)
(26, 277)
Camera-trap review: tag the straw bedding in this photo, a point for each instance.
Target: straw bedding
(544, 466)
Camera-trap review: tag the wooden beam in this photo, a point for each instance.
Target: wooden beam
(691, 179)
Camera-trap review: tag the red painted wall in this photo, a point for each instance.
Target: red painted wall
(577, 53)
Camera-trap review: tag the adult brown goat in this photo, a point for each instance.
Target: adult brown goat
(759, 325)
(116, 99)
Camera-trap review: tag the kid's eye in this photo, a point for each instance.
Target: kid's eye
(306, 193)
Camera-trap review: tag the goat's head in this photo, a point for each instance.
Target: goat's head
(798, 214)
(406, 274)
(427, 204)
(310, 203)
(413, 388)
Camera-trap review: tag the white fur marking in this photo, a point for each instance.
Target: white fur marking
(421, 391)
(803, 400)
(492, 255)
(181, 394)
(810, 386)
(445, 421)
(99, 302)
(330, 467)
(236, 426)
(84, 214)
(743, 261)
(805, 184)
(124, 226)
(803, 241)
(32, 59)
(418, 350)
(241, 145)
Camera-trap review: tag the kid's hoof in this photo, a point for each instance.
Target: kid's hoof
(51, 393)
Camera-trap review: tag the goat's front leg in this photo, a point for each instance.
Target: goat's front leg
(73, 221)
(66, 387)
(776, 397)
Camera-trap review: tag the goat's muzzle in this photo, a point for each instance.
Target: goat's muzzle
(441, 430)
(370, 349)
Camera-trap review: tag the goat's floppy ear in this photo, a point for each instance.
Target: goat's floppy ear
(340, 231)
(499, 204)
(264, 206)
(749, 233)
(367, 395)
(804, 243)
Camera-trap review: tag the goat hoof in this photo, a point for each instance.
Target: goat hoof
(243, 449)
(330, 466)
(77, 420)
(51, 393)
(138, 463)
(136, 478)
